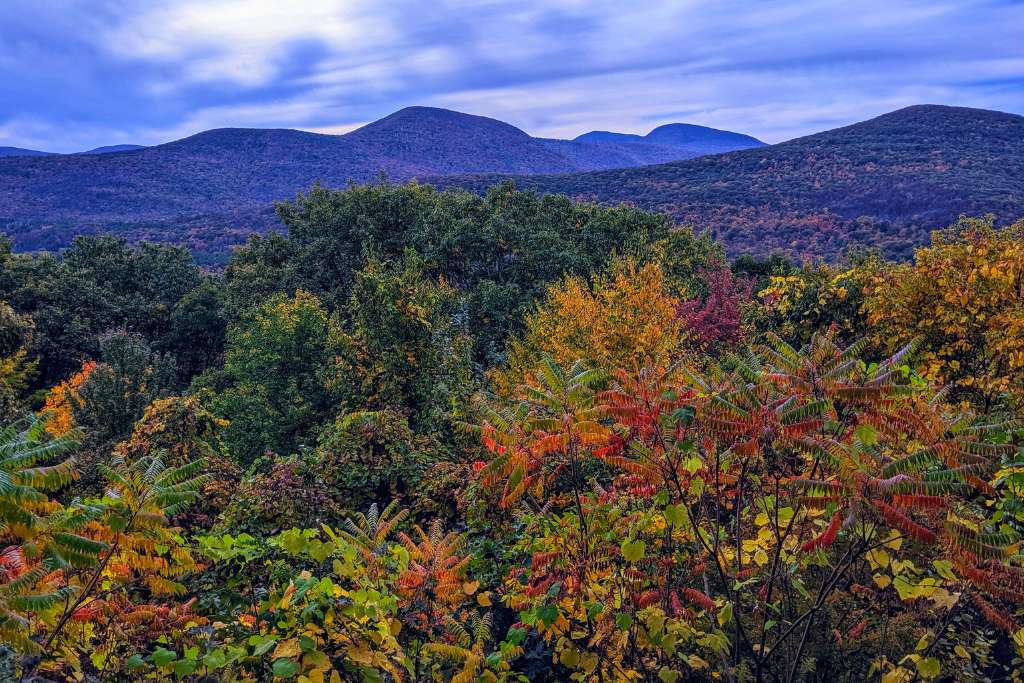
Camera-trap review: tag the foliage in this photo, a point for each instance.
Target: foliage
(180, 430)
(502, 249)
(964, 298)
(288, 494)
(373, 455)
(797, 304)
(61, 400)
(741, 505)
(275, 386)
(99, 285)
(714, 322)
(406, 347)
(84, 562)
(626, 317)
(581, 450)
(17, 370)
(116, 391)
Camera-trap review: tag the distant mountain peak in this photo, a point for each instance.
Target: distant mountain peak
(433, 118)
(690, 133)
(110, 149)
(695, 140)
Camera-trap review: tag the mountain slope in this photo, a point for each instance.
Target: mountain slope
(19, 152)
(210, 189)
(881, 183)
(108, 149)
(692, 139)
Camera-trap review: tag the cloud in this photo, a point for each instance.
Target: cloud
(93, 72)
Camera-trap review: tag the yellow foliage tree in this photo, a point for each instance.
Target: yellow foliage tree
(623, 318)
(963, 297)
(60, 401)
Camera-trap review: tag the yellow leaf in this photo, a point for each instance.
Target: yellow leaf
(470, 587)
(287, 648)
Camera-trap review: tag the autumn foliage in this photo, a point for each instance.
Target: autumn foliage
(669, 469)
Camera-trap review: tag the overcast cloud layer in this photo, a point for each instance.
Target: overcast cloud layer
(78, 74)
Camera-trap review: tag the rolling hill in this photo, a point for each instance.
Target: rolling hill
(110, 149)
(698, 140)
(19, 152)
(211, 189)
(883, 183)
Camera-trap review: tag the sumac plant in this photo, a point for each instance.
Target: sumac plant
(790, 514)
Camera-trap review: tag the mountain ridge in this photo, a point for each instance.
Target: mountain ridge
(226, 180)
(885, 183)
(22, 152)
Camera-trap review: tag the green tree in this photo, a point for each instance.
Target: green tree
(129, 377)
(275, 387)
(407, 347)
(100, 284)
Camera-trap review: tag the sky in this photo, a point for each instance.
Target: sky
(76, 74)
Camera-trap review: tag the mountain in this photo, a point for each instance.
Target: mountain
(883, 183)
(19, 152)
(108, 149)
(694, 140)
(213, 188)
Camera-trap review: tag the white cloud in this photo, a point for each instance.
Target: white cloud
(244, 40)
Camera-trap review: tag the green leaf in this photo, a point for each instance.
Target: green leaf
(548, 614)
(261, 644)
(285, 668)
(215, 659)
(945, 569)
(633, 551)
(134, 662)
(184, 667)
(623, 620)
(928, 667)
(866, 434)
(668, 675)
(569, 657)
(725, 614)
(162, 656)
(676, 515)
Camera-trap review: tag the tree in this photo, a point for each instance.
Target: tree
(16, 369)
(373, 455)
(180, 430)
(100, 285)
(129, 376)
(501, 250)
(275, 388)
(963, 297)
(623, 318)
(715, 321)
(406, 347)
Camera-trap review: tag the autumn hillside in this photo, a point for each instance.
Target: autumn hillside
(885, 183)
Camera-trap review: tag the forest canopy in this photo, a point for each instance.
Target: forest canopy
(429, 435)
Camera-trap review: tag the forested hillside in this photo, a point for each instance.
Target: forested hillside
(884, 183)
(431, 435)
(211, 190)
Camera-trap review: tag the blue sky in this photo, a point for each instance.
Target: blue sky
(78, 74)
